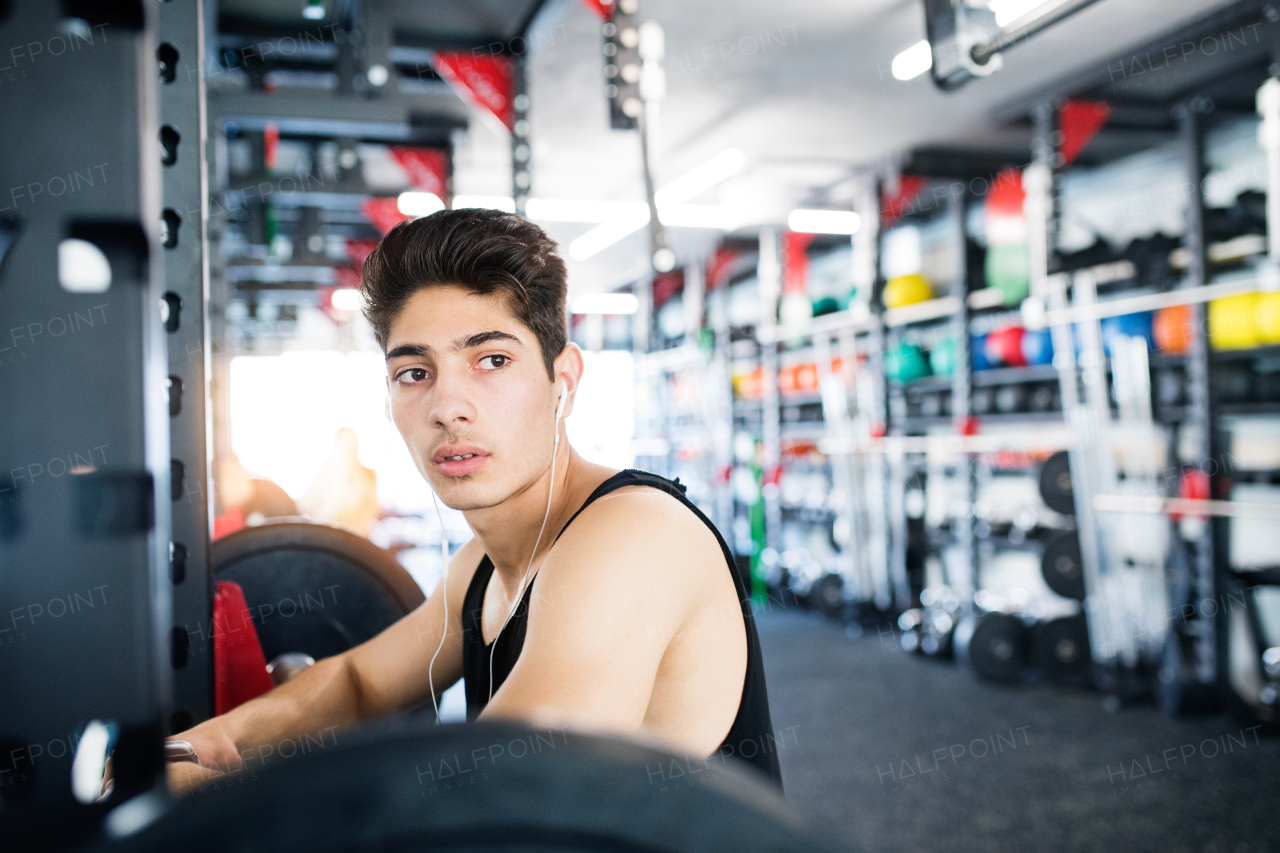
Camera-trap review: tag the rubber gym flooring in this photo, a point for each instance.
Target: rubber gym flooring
(903, 753)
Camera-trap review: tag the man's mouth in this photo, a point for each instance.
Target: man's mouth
(459, 460)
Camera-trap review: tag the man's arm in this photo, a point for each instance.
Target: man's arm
(382, 676)
(604, 611)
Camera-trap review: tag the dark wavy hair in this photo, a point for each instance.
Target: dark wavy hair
(483, 251)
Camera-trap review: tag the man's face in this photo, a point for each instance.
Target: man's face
(466, 378)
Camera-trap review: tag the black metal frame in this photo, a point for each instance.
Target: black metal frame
(186, 192)
(96, 526)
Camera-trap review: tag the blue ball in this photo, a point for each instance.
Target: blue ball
(1133, 325)
(1037, 347)
(978, 353)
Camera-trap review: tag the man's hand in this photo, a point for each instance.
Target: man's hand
(185, 776)
(218, 757)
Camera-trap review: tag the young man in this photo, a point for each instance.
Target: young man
(631, 620)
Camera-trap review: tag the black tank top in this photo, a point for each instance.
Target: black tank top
(751, 737)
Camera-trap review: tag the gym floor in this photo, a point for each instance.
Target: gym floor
(867, 733)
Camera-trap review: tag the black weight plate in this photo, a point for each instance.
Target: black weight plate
(992, 645)
(1062, 650)
(1062, 566)
(313, 588)
(827, 596)
(1055, 484)
(484, 787)
(984, 401)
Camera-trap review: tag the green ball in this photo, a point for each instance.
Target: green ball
(906, 363)
(942, 358)
(1008, 269)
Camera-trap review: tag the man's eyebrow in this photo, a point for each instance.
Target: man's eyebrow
(420, 351)
(408, 349)
(483, 338)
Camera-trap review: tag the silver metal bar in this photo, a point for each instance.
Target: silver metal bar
(1020, 29)
(1154, 504)
(1248, 283)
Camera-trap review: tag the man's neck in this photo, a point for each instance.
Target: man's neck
(507, 532)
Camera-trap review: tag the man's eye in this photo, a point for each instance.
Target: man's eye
(496, 362)
(413, 374)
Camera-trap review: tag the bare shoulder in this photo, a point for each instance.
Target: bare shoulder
(640, 527)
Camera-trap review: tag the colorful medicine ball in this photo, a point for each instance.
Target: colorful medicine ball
(1004, 347)
(906, 290)
(1172, 328)
(1037, 347)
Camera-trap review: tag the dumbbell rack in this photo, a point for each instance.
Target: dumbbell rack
(1177, 641)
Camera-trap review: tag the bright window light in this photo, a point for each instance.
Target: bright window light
(602, 425)
(313, 11)
(689, 185)
(1007, 11)
(419, 204)
(490, 202)
(346, 299)
(913, 61)
(824, 221)
(605, 303)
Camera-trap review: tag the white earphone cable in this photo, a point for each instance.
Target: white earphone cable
(523, 581)
(444, 584)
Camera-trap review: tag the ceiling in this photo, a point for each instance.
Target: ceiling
(804, 89)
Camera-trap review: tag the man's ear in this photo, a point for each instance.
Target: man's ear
(568, 369)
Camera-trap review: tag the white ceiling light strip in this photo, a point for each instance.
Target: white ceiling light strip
(668, 200)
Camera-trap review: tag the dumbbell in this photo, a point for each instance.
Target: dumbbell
(984, 401)
(1044, 398)
(1171, 387)
(936, 405)
(1011, 399)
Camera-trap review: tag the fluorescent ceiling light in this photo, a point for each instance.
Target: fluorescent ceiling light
(605, 303)
(419, 204)
(682, 189)
(700, 179)
(824, 221)
(699, 216)
(603, 236)
(913, 61)
(346, 299)
(314, 10)
(491, 202)
(1007, 11)
(572, 210)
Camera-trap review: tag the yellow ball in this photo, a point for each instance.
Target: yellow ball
(1269, 318)
(1233, 322)
(906, 290)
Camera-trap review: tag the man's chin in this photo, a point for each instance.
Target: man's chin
(465, 494)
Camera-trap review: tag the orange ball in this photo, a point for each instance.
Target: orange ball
(1173, 328)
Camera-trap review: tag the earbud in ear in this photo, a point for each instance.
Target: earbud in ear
(564, 399)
